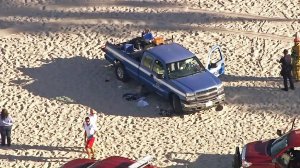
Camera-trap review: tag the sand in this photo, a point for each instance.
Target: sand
(52, 71)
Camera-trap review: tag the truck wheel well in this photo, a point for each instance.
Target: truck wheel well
(175, 103)
(170, 96)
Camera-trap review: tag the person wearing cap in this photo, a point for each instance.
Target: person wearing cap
(286, 70)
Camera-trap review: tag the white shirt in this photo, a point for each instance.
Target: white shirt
(6, 122)
(89, 129)
(93, 120)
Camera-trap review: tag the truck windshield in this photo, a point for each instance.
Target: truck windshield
(278, 145)
(184, 68)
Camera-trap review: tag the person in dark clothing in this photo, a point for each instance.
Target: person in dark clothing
(286, 70)
(6, 123)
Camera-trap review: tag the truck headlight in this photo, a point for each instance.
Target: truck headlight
(243, 157)
(246, 164)
(190, 97)
(220, 88)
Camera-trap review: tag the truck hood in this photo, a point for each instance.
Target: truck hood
(197, 82)
(256, 152)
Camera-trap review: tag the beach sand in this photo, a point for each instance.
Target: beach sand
(52, 70)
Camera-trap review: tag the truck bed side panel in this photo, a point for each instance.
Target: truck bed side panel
(131, 65)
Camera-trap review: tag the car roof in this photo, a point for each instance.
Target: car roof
(171, 52)
(78, 163)
(117, 162)
(294, 137)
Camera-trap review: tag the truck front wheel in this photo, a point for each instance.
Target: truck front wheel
(176, 104)
(121, 73)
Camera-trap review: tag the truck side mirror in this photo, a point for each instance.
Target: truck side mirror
(160, 76)
(279, 132)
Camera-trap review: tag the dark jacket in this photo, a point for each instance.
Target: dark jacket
(286, 65)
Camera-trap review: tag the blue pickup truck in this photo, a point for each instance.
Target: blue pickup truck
(171, 71)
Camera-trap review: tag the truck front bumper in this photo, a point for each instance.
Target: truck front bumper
(198, 105)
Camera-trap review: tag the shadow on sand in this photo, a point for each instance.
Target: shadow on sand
(31, 158)
(203, 161)
(92, 82)
(88, 82)
(46, 148)
(267, 99)
(159, 21)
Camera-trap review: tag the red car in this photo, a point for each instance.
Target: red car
(274, 153)
(110, 162)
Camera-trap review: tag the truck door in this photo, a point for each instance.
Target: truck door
(159, 73)
(145, 72)
(152, 72)
(216, 63)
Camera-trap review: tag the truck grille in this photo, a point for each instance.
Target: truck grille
(204, 96)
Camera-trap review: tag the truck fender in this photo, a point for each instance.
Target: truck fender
(175, 103)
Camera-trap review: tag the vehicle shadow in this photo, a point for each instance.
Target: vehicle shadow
(90, 82)
(234, 78)
(203, 161)
(32, 158)
(16, 147)
(256, 98)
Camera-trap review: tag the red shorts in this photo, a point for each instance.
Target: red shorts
(90, 142)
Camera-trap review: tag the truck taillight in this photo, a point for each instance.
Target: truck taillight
(246, 164)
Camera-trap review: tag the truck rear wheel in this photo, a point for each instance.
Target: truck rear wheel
(176, 104)
(121, 73)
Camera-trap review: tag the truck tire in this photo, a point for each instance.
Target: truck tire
(121, 72)
(176, 104)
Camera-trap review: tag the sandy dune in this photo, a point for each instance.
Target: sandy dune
(52, 70)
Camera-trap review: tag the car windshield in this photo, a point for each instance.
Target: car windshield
(278, 145)
(184, 68)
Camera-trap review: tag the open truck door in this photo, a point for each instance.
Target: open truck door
(216, 62)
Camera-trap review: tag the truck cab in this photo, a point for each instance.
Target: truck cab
(282, 152)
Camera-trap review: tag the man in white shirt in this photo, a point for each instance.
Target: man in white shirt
(93, 118)
(89, 138)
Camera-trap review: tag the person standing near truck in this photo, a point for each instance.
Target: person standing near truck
(286, 70)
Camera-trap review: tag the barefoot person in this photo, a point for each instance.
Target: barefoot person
(6, 123)
(89, 138)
